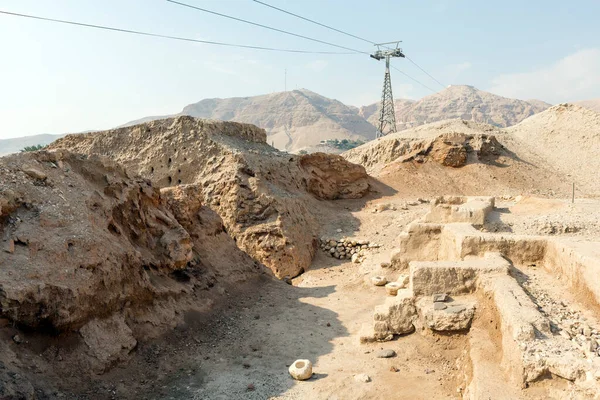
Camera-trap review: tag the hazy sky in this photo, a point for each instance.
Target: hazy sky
(57, 78)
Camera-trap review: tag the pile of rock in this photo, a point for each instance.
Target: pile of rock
(347, 248)
(567, 322)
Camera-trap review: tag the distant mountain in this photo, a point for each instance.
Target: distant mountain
(293, 120)
(8, 146)
(459, 101)
(302, 119)
(593, 104)
(371, 112)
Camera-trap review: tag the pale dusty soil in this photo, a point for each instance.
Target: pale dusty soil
(555, 217)
(256, 331)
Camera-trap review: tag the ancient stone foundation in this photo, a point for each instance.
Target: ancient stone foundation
(457, 271)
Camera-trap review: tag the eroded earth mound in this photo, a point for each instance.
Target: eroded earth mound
(449, 143)
(86, 248)
(264, 196)
(465, 157)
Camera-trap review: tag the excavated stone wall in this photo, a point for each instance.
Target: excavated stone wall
(461, 262)
(447, 209)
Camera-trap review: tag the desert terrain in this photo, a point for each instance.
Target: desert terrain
(302, 120)
(184, 258)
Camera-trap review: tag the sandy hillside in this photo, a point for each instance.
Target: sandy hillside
(264, 196)
(568, 137)
(417, 162)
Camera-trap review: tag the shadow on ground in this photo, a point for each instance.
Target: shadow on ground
(240, 350)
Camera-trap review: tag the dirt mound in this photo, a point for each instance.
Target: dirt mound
(460, 157)
(568, 137)
(264, 196)
(447, 142)
(87, 249)
(331, 177)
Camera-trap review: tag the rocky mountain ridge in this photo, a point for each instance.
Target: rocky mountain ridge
(459, 102)
(293, 120)
(302, 120)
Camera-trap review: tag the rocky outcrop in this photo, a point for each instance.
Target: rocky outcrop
(449, 154)
(263, 196)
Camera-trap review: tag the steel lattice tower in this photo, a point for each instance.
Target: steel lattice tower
(387, 114)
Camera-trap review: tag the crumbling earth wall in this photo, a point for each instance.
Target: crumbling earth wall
(265, 197)
(86, 248)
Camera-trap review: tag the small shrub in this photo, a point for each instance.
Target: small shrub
(32, 148)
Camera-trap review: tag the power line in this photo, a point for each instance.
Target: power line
(264, 26)
(314, 22)
(345, 33)
(410, 77)
(428, 74)
(166, 36)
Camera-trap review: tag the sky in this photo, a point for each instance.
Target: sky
(58, 78)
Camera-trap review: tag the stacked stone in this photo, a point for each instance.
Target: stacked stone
(347, 248)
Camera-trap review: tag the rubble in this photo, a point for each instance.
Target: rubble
(385, 353)
(347, 248)
(395, 316)
(364, 378)
(392, 288)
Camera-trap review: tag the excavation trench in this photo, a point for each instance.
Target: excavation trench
(527, 336)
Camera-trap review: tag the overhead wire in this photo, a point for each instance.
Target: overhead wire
(108, 28)
(351, 35)
(264, 26)
(428, 74)
(314, 22)
(410, 77)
